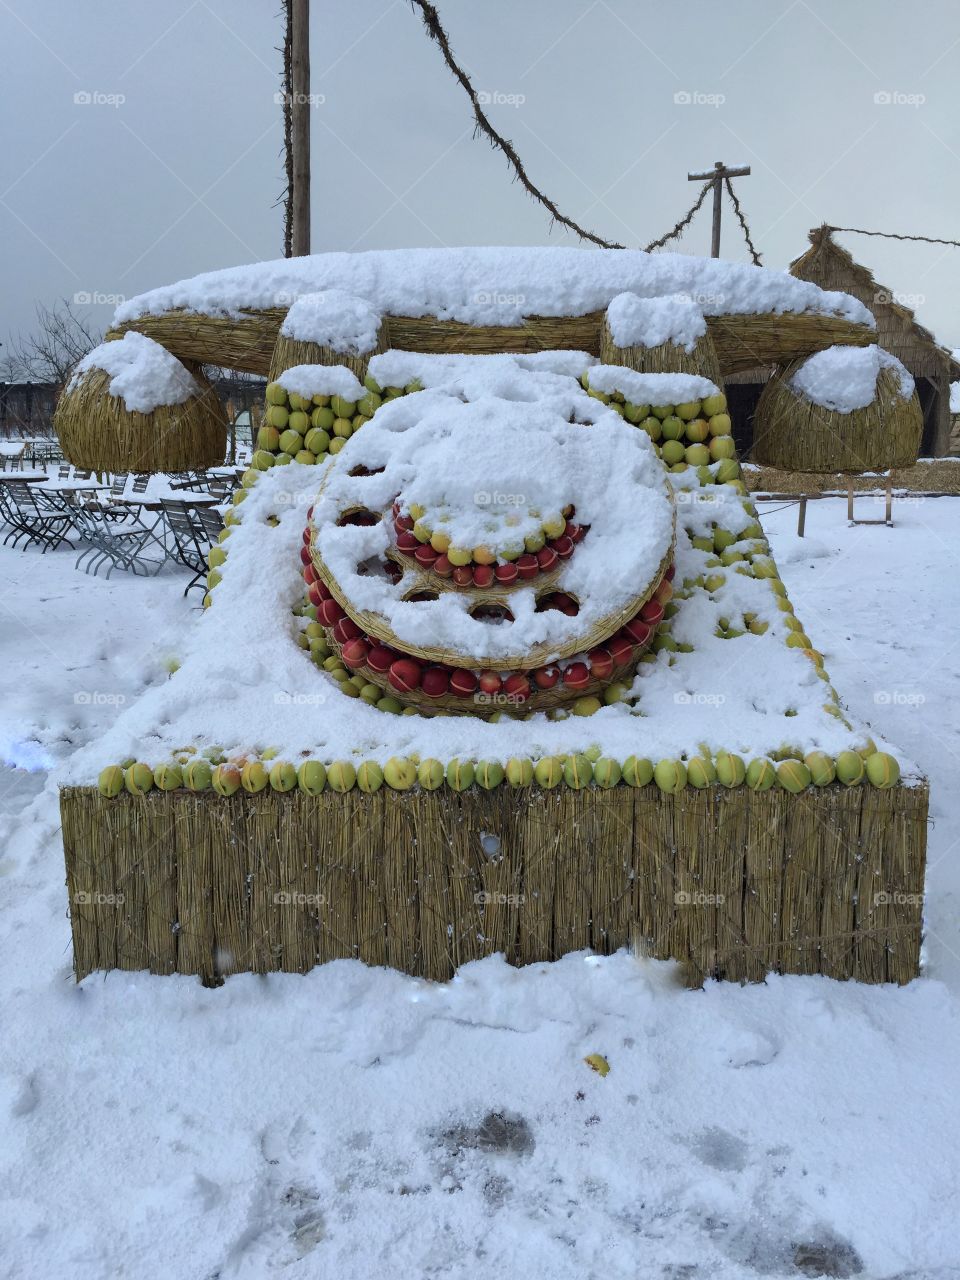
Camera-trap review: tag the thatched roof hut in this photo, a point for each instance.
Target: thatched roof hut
(829, 265)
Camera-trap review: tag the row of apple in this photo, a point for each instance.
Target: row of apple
(670, 776)
(519, 560)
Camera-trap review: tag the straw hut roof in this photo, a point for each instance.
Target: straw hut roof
(829, 265)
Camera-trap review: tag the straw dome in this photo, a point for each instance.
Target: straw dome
(851, 409)
(132, 406)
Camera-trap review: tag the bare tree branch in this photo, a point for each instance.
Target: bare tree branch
(62, 337)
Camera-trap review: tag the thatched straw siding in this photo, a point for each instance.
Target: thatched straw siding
(732, 883)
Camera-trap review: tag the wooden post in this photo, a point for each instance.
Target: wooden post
(802, 515)
(300, 125)
(715, 177)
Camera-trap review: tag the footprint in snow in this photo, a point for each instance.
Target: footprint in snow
(497, 1133)
(720, 1150)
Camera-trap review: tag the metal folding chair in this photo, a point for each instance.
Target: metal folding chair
(33, 517)
(121, 548)
(190, 537)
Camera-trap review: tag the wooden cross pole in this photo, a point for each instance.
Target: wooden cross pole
(715, 177)
(300, 126)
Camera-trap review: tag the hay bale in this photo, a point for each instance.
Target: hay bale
(792, 433)
(96, 429)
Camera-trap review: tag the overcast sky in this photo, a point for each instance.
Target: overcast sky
(142, 142)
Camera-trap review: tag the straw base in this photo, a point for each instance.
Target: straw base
(733, 884)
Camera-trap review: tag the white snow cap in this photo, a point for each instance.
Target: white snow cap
(845, 378)
(333, 319)
(650, 322)
(143, 374)
(650, 388)
(496, 285)
(310, 380)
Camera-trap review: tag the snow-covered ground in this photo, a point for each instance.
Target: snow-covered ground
(354, 1122)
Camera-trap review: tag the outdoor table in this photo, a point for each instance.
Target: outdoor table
(158, 529)
(28, 477)
(67, 487)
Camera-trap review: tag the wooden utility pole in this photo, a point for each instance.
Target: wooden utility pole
(300, 126)
(715, 177)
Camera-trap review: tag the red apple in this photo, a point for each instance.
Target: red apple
(403, 524)
(620, 648)
(546, 677)
(405, 674)
(380, 658)
(425, 555)
(652, 612)
(664, 592)
(563, 547)
(315, 595)
(572, 531)
(407, 543)
(547, 559)
(482, 575)
(346, 629)
(601, 663)
(581, 532)
(527, 566)
(329, 613)
(506, 573)
(306, 536)
(566, 604)
(436, 682)
(463, 682)
(517, 687)
(305, 555)
(309, 574)
(489, 682)
(463, 575)
(638, 630)
(576, 675)
(671, 571)
(354, 652)
(310, 513)
(442, 566)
